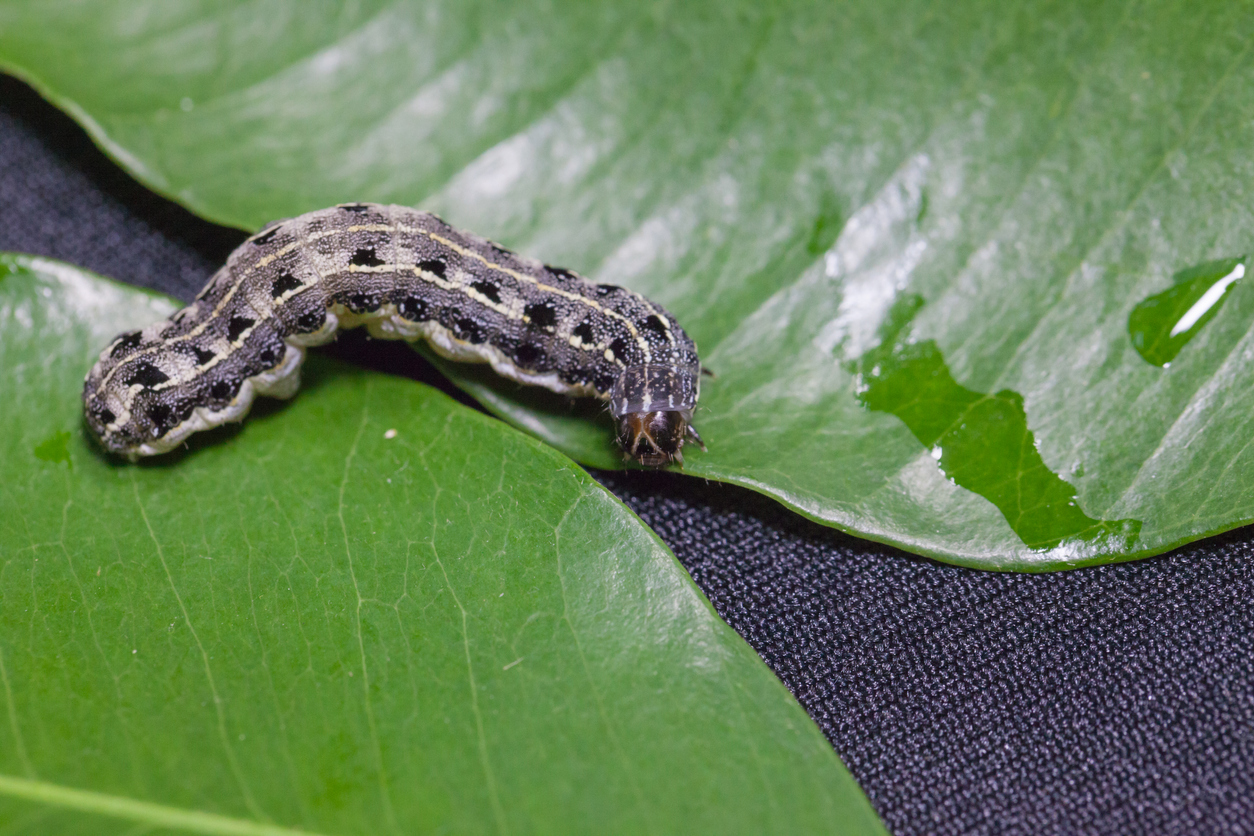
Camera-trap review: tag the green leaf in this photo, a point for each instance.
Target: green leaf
(316, 624)
(781, 176)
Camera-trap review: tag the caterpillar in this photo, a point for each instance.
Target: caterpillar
(404, 274)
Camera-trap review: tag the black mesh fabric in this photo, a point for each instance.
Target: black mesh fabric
(1115, 700)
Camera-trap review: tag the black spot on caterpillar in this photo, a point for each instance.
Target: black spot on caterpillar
(541, 315)
(125, 343)
(404, 274)
(282, 284)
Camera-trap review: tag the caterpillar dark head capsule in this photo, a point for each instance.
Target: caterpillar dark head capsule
(403, 274)
(652, 404)
(655, 438)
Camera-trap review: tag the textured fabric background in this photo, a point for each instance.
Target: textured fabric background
(1108, 701)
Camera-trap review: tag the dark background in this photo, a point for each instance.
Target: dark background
(1113, 700)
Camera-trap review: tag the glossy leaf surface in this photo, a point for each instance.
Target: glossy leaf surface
(315, 623)
(781, 176)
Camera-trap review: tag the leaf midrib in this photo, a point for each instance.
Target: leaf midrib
(133, 809)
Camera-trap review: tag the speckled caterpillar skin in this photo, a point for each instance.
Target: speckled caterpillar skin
(404, 274)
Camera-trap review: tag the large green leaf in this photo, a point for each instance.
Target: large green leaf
(321, 624)
(845, 203)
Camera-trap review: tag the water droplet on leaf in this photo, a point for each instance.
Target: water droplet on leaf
(1163, 324)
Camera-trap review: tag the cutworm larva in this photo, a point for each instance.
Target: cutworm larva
(404, 274)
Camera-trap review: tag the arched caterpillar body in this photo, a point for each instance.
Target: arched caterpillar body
(404, 274)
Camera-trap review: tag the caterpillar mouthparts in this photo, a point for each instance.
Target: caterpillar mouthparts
(403, 274)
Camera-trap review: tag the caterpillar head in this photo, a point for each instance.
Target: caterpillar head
(655, 438)
(652, 405)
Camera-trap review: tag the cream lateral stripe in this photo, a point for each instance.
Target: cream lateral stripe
(239, 341)
(432, 278)
(385, 268)
(304, 251)
(523, 277)
(226, 299)
(219, 357)
(274, 256)
(666, 325)
(298, 281)
(243, 276)
(392, 229)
